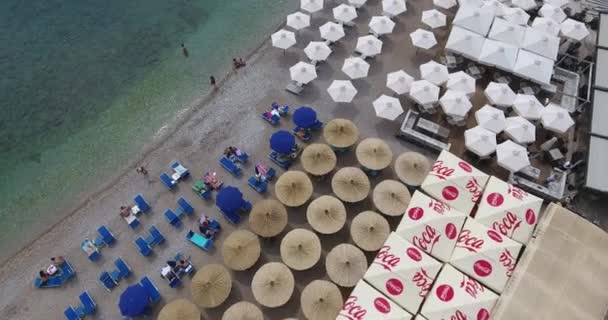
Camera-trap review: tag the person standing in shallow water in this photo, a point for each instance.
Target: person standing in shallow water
(212, 82)
(184, 51)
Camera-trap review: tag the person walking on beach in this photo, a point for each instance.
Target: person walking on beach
(184, 51)
(141, 170)
(212, 82)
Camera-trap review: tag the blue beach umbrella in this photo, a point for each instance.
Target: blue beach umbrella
(282, 142)
(133, 301)
(304, 117)
(229, 199)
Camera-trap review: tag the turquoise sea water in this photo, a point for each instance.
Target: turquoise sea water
(84, 84)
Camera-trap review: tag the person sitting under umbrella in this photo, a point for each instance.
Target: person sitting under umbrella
(205, 227)
(210, 179)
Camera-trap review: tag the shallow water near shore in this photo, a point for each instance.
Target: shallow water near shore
(86, 84)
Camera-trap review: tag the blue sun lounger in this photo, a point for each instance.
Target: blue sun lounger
(105, 238)
(167, 181)
(199, 240)
(90, 249)
(86, 307)
(106, 281)
(172, 218)
(155, 236)
(183, 207)
(111, 279)
(143, 247)
(141, 203)
(67, 272)
(230, 166)
(152, 290)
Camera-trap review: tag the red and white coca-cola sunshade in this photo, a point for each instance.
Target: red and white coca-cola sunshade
(403, 272)
(431, 225)
(485, 255)
(508, 210)
(366, 303)
(455, 182)
(458, 296)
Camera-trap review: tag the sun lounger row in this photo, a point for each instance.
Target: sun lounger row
(145, 245)
(183, 208)
(65, 273)
(111, 279)
(179, 172)
(151, 289)
(85, 308)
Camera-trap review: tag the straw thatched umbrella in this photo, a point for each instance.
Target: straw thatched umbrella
(341, 133)
(345, 265)
(241, 250)
(369, 230)
(293, 188)
(267, 218)
(374, 154)
(318, 159)
(350, 184)
(300, 249)
(412, 168)
(391, 197)
(326, 214)
(211, 285)
(321, 300)
(179, 309)
(273, 285)
(243, 311)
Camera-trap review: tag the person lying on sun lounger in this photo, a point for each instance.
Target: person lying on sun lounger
(210, 179)
(57, 261)
(44, 277)
(125, 211)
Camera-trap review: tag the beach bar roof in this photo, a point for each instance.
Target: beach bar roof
(508, 32)
(541, 43)
(533, 67)
(499, 54)
(465, 42)
(477, 20)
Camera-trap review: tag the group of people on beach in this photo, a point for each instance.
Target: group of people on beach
(52, 270)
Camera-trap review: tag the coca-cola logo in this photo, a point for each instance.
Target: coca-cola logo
(382, 305)
(415, 213)
(351, 310)
(483, 314)
(465, 166)
(422, 280)
(482, 268)
(471, 286)
(445, 292)
(449, 193)
(440, 171)
(530, 217)
(394, 286)
(414, 254)
(438, 206)
(495, 199)
(474, 189)
(386, 259)
(517, 193)
(494, 236)
(458, 315)
(507, 261)
(427, 240)
(506, 226)
(451, 231)
(471, 243)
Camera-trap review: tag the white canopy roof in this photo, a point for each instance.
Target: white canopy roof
(507, 32)
(574, 30)
(387, 107)
(534, 67)
(433, 18)
(480, 141)
(434, 72)
(491, 118)
(556, 118)
(423, 39)
(541, 43)
(303, 72)
(512, 156)
(524, 4)
(477, 20)
(283, 39)
(520, 130)
(342, 91)
(517, 16)
(311, 5)
(455, 103)
(331, 31)
(355, 67)
(500, 94)
(527, 106)
(424, 92)
(393, 7)
(465, 42)
(554, 13)
(381, 25)
(470, 3)
(461, 81)
(499, 8)
(498, 54)
(357, 3)
(344, 13)
(369, 45)
(445, 4)
(557, 3)
(317, 50)
(399, 81)
(298, 20)
(546, 25)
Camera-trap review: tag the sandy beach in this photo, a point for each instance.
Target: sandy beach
(229, 116)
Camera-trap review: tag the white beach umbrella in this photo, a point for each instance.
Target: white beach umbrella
(298, 20)
(455, 104)
(527, 106)
(507, 32)
(311, 5)
(480, 141)
(500, 94)
(491, 118)
(499, 8)
(445, 4)
(524, 4)
(470, 3)
(331, 31)
(546, 25)
(554, 13)
(283, 39)
(399, 81)
(534, 67)
(357, 3)
(512, 156)
(557, 3)
(541, 43)
(387, 107)
(381, 25)
(465, 43)
(433, 18)
(424, 92)
(342, 91)
(317, 51)
(462, 82)
(574, 30)
(423, 39)
(477, 20)
(392, 8)
(555, 118)
(345, 13)
(303, 72)
(499, 54)
(517, 16)
(355, 67)
(520, 130)
(434, 72)
(369, 46)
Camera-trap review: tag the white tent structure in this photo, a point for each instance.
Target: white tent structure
(434, 72)
(546, 25)
(524, 4)
(520, 130)
(554, 13)
(541, 43)
(344, 13)
(500, 94)
(534, 67)
(555, 118)
(357, 3)
(369, 46)
(387, 107)
(433, 18)
(424, 92)
(298, 20)
(380, 25)
(283, 39)
(498, 54)
(392, 8)
(478, 20)
(461, 81)
(423, 39)
(499, 8)
(512, 156)
(507, 32)
(527, 106)
(311, 6)
(516, 16)
(342, 91)
(303, 72)
(445, 4)
(355, 68)
(574, 30)
(332, 31)
(455, 104)
(399, 81)
(317, 51)
(480, 141)
(465, 43)
(491, 118)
